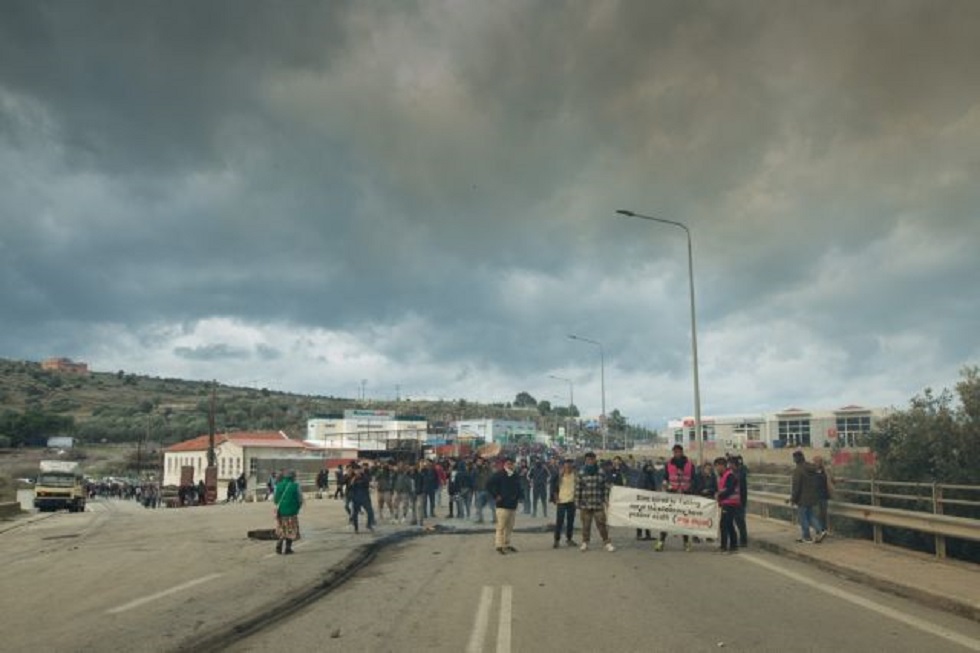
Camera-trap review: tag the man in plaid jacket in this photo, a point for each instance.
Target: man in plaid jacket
(591, 497)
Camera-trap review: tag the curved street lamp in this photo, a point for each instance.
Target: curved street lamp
(602, 380)
(694, 332)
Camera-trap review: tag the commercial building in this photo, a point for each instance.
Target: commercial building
(366, 431)
(501, 431)
(848, 426)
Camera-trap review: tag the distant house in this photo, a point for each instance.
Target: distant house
(66, 365)
(243, 451)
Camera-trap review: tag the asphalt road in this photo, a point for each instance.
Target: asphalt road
(455, 593)
(119, 577)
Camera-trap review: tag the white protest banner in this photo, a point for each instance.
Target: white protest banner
(680, 514)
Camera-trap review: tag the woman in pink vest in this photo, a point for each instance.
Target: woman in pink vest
(729, 499)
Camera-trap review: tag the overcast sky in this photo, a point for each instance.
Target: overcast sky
(421, 196)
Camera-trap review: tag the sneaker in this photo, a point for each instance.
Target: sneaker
(556, 545)
(609, 547)
(804, 540)
(510, 549)
(659, 546)
(571, 542)
(584, 547)
(501, 550)
(822, 534)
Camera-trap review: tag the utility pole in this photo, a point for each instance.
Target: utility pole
(212, 458)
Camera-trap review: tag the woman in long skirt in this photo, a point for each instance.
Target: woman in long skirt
(289, 500)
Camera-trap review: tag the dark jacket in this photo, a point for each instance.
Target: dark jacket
(481, 475)
(428, 479)
(708, 485)
(505, 489)
(618, 476)
(805, 490)
(539, 476)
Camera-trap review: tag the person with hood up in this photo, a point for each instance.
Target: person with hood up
(288, 499)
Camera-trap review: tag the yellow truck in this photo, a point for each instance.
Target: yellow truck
(59, 486)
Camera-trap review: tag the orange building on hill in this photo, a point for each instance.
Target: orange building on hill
(64, 365)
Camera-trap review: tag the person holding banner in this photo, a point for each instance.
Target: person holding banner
(680, 478)
(729, 499)
(591, 497)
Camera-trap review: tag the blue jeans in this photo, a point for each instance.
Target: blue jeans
(540, 494)
(807, 519)
(466, 498)
(357, 503)
(566, 518)
(482, 499)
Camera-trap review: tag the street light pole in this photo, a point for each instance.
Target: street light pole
(602, 381)
(571, 396)
(694, 332)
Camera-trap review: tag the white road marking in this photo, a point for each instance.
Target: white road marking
(503, 626)
(159, 595)
(479, 631)
(915, 622)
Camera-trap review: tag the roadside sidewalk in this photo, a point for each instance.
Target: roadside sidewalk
(949, 585)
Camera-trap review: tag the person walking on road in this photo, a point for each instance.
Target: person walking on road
(359, 492)
(288, 499)
(805, 496)
(505, 487)
(563, 496)
(591, 497)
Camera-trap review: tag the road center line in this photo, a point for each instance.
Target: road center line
(897, 615)
(159, 595)
(503, 626)
(479, 631)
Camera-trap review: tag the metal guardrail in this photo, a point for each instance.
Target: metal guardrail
(771, 490)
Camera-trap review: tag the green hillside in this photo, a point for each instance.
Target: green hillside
(121, 407)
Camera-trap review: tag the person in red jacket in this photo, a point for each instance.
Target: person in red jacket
(729, 499)
(680, 478)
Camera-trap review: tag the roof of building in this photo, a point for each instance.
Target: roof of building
(263, 439)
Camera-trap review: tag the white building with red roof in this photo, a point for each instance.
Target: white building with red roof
(236, 452)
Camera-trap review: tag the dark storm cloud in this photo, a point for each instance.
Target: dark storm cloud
(155, 84)
(437, 181)
(214, 352)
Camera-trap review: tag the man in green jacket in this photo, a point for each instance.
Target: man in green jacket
(288, 499)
